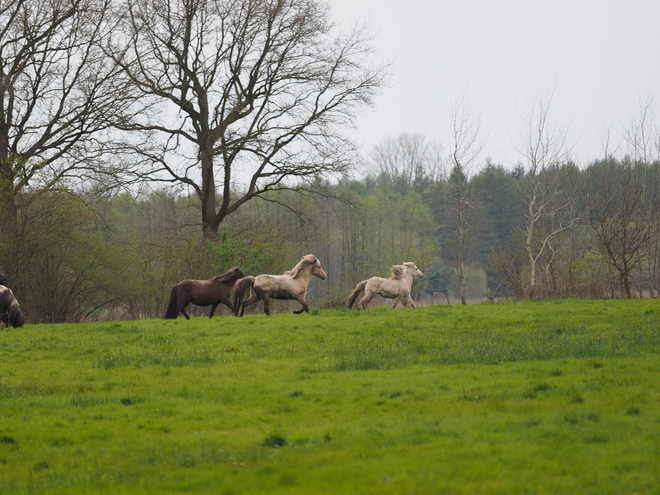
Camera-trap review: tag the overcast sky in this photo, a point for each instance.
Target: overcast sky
(599, 56)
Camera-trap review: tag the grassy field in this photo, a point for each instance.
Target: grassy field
(515, 398)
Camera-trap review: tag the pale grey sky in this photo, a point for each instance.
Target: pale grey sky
(599, 56)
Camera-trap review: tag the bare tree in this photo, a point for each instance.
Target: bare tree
(642, 136)
(550, 203)
(57, 96)
(466, 143)
(621, 219)
(625, 199)
(241, 97)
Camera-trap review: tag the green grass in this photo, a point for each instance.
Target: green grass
(534, 397)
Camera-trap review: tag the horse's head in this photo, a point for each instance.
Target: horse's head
(317, 270)
(416, 272)
(309, 264)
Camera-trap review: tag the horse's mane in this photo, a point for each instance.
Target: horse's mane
(299, 269)
(398, 271)
(235, 272)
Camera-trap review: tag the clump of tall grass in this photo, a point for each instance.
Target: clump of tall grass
(119, 358)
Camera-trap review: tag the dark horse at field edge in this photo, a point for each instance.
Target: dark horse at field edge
(10, 308)
(202, 293)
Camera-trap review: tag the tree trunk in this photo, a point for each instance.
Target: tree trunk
(532, 267)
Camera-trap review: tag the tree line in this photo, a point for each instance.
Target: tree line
(96, 255)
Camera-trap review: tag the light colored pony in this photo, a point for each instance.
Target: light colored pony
(289, 285)
(396, 287)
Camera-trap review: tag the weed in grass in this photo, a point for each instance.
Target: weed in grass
(598, 438)
(275, 441)
(593, 417)
(41, 466)
(472, 395)
(532, 392)
(131, 400)
(633, 411)
(10, 441)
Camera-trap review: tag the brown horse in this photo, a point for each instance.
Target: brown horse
(202, 293)
(9, 307)
(289, 285)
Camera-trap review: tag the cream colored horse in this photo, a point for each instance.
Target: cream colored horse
(396, 287)
(289, 285)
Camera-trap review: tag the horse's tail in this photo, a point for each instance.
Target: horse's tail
(356, 292)
(241, 289)
(16, 318)
(171, 312)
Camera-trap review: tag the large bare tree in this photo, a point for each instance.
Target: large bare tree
(241, 97)
(58, 94)
(57, 90)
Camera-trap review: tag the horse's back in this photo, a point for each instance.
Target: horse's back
(386, 287)
(278, 286)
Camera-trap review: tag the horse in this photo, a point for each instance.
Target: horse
(289, 285)
(202, 293)
(4, 317)
(9, 307)
(396, 287)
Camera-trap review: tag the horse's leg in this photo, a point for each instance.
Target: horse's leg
(409, 299)
(266, 300)
(224, 299)
(397, 299)
(305, 306)
(183, 311)
(368, 296)
(213, 310)
(255, 297)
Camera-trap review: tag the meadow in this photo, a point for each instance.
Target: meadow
(554, 396)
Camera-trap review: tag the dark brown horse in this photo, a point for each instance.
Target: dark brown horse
(9, 307)
(202, 293)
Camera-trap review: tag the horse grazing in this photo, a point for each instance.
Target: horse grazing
(289, 285)
(9, 307)
(202, 293)
(396, 287)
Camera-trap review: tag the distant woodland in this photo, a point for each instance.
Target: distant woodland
(147, 142)
(93, 255)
